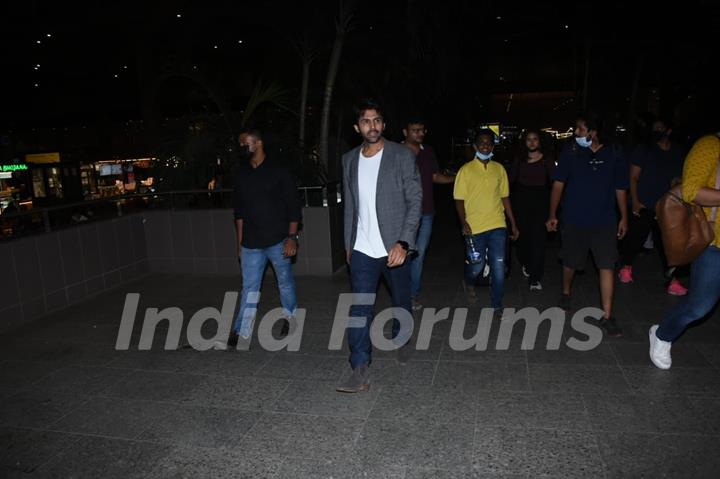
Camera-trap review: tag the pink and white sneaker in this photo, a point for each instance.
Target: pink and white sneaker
(676, 289)
(625, 274)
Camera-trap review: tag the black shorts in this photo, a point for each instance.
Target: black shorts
(577, 241)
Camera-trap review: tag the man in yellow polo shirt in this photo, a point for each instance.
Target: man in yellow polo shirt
(482, 199)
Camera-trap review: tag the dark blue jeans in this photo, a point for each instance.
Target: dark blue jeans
(703, 294)
(493, 242)
(365, 273)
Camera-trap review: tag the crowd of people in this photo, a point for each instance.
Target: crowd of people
(389, 209)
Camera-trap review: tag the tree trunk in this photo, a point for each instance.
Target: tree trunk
(633, 96)
(303, 102)
(587, 73)
(327, 99)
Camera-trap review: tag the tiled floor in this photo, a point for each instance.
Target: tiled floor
(73, 406)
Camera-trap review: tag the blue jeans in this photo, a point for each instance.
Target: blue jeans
(493, 242)
(253, 263)
(416, 265)
(704, 293)
(365, 275)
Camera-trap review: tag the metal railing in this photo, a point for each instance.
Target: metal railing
(53, 218)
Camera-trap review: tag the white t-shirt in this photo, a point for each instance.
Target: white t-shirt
(368, 240)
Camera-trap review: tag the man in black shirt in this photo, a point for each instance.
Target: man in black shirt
(267, 213)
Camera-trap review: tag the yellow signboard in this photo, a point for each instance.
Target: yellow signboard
(40, 158)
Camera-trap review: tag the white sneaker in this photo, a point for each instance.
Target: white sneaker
(536, 286)
(659, 350)
(525, 272)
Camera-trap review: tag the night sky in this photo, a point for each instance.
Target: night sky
(70, 63)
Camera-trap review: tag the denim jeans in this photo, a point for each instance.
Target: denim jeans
(493, 242)
(253, 263)
(704, 293)
(416, 264)
(365, 273)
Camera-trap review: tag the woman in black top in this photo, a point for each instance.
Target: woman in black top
(531, 178)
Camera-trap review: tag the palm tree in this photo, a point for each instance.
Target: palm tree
(307, 54)
(343, 24)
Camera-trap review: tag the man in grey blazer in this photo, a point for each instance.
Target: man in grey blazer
(383, 202)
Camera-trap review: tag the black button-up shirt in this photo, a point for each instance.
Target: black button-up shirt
(266, 199)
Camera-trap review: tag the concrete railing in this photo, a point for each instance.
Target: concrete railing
(46, 272)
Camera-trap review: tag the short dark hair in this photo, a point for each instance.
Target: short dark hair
(591, 120)
(367, 104)
(414, 120)
(252, 131)
(484, 132)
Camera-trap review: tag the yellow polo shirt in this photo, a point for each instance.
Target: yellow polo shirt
(700, 170)
(482, 188)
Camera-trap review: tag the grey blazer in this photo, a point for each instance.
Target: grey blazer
(398, 200)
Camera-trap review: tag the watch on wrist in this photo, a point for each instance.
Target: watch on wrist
(404, 245)
(294, 237)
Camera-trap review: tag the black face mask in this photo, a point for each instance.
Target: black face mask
(658, 135)
(244, 152)
(532, 150)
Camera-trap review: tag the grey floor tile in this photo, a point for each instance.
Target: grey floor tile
(230, 363)
(646, 413)
(514, 353)
(201, 426)
(711, 353)
(675, 381)
(425, 404)
(637, 354)
(504, 377)
(709, 410)
(532, 410)
(577, 379)
(81, 380)
(22, 451)
(106, 458)
(416, 443)
(321, 399)
(121, 418)
(36, 408)
(600, 356)
(304, 367)
(155, 386)
(467, 473)
(192, 463)
(305, 437)
(537, 452)
(170, 361)
(247, 393)
(388, 372)
(22, 374)
(629, 455)
(298, 468)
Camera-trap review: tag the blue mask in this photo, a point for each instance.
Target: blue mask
(583, 142)
(483, 156)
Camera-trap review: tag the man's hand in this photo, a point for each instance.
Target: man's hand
(622, 228)
(515, 233)
(397, 256)
(290, 248)
(348, 253)
(466, 228)
(551, 224)
(636, 207)
(239, 249)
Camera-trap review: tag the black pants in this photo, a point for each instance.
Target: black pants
(530, 206)
(639, 228)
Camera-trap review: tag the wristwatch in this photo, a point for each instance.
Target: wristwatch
(294, 237)
(404, 245)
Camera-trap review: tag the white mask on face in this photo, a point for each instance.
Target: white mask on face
(583, 142)
(483, 156)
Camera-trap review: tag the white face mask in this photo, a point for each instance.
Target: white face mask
(483, 156)
(583, 142)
